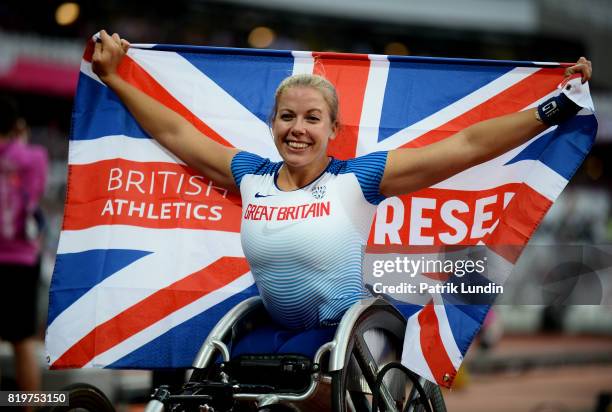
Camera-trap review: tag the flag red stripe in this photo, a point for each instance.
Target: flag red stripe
(519, 221)
(415, 249)
(437, 223)
(433, 348)
(511, 100)
(131, 72)
(442, 276)
(346, 57)
(350, 78)
(89, 50)
(152, 309)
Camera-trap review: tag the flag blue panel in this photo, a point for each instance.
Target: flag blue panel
(564, 148)
(252, 80)
(415, 91)
(77, 273)
(98, 113)
(465, 322)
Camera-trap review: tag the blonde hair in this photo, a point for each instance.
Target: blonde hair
(320, 83)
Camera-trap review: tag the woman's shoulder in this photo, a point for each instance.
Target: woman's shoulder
(244, 163)
(368, 170)
(370, 161)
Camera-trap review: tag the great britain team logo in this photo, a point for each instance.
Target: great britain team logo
(318, 192)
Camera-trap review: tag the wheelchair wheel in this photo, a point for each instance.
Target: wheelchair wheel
(375, 341)
(352, 385)
(434, 394)
(84, 398)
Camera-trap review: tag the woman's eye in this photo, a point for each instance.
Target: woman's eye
(313, 118)
(286, 116)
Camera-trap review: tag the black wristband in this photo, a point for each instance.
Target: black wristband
(557, 109)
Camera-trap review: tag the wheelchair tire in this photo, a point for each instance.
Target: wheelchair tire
(84, 398)
(434, 394)
(393, 324)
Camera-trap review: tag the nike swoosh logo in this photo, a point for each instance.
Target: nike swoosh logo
(260, 195)
(267, 230)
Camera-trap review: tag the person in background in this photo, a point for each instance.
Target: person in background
(23, 173)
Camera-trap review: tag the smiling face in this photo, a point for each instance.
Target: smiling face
(302, 127)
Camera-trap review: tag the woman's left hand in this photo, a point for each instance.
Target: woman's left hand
(582, 66)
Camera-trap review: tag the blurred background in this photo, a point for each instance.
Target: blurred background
(531, 358)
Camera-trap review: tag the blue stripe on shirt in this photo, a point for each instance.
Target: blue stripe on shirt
(369, 170)
(245, 163)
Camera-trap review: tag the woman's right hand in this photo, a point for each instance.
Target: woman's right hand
(107, 55)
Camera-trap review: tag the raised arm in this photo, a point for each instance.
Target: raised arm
(170, 129)
(409, 170)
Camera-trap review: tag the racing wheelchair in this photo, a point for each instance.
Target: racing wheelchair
(358, 370)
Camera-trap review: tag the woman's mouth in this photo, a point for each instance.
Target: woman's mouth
(297, 145)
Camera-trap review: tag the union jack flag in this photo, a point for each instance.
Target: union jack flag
(149, 257)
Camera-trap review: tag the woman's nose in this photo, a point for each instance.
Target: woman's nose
(298, 127)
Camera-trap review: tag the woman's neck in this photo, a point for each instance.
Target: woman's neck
(292, 178)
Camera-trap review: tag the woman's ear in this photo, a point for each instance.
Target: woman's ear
(334, 128)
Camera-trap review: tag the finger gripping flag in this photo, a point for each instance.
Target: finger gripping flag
(149, 257)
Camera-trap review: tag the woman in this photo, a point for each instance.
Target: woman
(23, 174)
(305, 219)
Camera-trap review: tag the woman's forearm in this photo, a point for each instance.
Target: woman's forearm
(160, 122)
(409, 170)
(175, 133)
(169, 128)
(490, 138)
